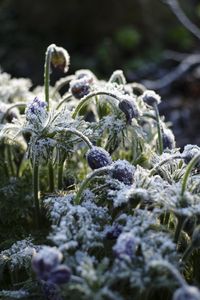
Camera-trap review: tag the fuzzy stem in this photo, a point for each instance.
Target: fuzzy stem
(80, 134)
(11, 107)
(187, 253)
(60, 175)
(164, 162)
(179, 227)
(89, 177)
(10, 160)
(35, 193)
(90, 96)
(51, 178)
(61, 83)
(47, 67)
(189, 168)
(172, 270)
(68, 97)
(118, 76)
(160, 141)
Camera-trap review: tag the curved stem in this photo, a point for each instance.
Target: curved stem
(160, 141)
(90, 96)
(187, 253)
(61, 83)
(118, 76)
(189, 168)
(68, 97)
(47, 67)
(164, 162)
(80, 134)
(179, 227)
(172, 270)
(11, 107)
(35, 193)
(90, 176)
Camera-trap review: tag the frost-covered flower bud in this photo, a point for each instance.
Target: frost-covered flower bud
(60, 275)
(60, 58)
(129, 108)
(113, 232)
(150, 97)
(98, 157)
(168, 139)
(189, 152)
(35, 108)
(45, 261)
(187, 293)
(123, 171)
(86, 74)
(126, 245)
(80, 87)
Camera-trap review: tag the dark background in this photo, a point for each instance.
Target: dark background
(105, 35)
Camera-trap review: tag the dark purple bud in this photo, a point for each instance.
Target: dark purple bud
(129, 108)
(60, 275)
(123, 171)
(97, 158)
(80, 87)
(126, 245)
(45, 261)
(189, 152)
(150, 97)
(187, 293)
(113, 232)
(60, 58)
(168, 139)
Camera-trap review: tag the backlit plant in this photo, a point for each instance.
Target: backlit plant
(96, 201)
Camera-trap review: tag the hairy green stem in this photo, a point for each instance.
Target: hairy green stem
(160, 141)
(179, 227)
(80, 134)
(98, 172)
(60, 176)
(35, 193)
(61, 83)
(11, 107)
(10, 161)
(187, 253)
(172, 269)
(89, 97)
(189, 168)
(51, 178)
(164, 162)
(65, 99)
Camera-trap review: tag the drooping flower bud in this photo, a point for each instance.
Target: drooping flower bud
(168, 139)
(60, 58)
(98, 157)
(123, 171)
(60, 275)
(189, 152)
(45, 261)
(150, 97)
(129, 108)
(80, 87)
(187, 293)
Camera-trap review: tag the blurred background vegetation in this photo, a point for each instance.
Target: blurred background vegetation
(104, 35)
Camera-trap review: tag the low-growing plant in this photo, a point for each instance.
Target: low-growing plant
(96, 200)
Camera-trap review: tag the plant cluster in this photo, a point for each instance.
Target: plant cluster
(96, 200)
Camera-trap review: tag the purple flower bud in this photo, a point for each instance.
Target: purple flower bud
(189, 152)
(113, 232)
(150, 97)
(126, 245)
(60, 58)
(60, 275)
(45, 261)
(97, 157)
(129, 108)
(80, 87)
(123, 171)
(168, 139)
(86, 74)
(187, 293)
